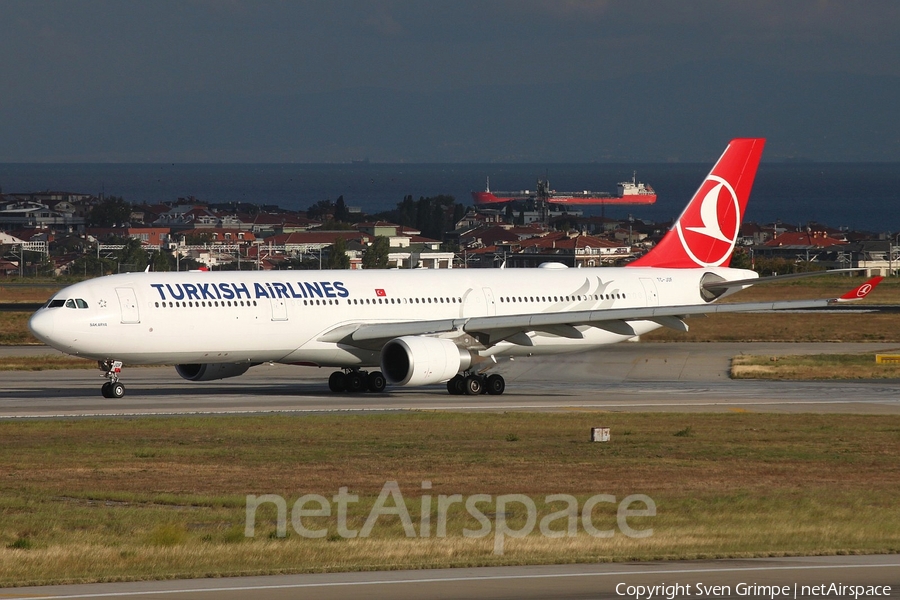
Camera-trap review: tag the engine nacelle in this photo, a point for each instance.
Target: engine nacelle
(412, 360)
(211, 371)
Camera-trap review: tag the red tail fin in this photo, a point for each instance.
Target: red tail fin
(705, 233)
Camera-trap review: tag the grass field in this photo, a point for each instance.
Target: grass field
(27, 293)
(887, 292)
(786, 327)
(816, 366)
(49, 362)
(101, 500)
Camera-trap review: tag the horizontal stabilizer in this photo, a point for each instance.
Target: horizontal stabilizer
(718, 285)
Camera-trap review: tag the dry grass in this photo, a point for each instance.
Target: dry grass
(14, 329)
(887, 292)
(26, 293)
(156, 498)
(816, 366)
(48, 362)
(786, 327)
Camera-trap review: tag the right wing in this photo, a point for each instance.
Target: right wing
(514, 328)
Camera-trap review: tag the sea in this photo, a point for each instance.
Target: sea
(855, 196)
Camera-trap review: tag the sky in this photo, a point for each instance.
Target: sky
(457, 81)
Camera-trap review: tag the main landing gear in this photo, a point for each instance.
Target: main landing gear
(355, 381)
(112, 388)
(474, 385)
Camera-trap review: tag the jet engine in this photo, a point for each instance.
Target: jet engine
(412, 360)
(211, 371)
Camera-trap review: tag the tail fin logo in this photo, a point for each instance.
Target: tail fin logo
(708, 230)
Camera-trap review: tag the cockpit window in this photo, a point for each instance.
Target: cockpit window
(70, 303)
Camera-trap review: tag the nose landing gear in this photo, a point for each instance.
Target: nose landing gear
(112, 388)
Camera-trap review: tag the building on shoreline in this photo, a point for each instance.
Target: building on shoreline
(247, 236)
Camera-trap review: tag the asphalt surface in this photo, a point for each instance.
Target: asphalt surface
(734, 579)
(625, 377)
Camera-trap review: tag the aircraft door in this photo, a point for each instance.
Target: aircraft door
(650, 294)
(128, 304)
(279, 309)
(471, 304)
(489, 301)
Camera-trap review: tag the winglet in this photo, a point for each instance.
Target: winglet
(862, 291)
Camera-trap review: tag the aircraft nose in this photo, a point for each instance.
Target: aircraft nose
(41, 325)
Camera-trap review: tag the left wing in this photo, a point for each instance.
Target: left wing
(514, 328)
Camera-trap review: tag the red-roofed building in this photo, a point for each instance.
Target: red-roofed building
(806, 247)
(149, 236)
(230, 236)
(265, 224)
(811, 239)
(482, 218)
(313, 241)
(505, 235)
(8, 268)
(573, 250)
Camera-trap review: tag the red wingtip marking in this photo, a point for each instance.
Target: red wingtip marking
(862, 291)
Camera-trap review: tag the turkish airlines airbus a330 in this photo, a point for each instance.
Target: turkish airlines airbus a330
(420, 327)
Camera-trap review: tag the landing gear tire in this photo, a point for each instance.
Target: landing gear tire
(354, 382)
(375, 382)
(112, 388)
(473, 385)
(457, 385)
(337, 382)
(495, 384)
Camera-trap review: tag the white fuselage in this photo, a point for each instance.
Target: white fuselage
(280, 316)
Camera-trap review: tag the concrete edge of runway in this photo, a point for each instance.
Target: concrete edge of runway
(602, 578)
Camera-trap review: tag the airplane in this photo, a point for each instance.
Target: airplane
(420, 326)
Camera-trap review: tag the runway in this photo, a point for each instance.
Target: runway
(719, 579)
(626, 377)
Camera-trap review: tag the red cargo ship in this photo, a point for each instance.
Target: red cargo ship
(627, 192)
